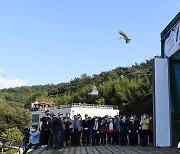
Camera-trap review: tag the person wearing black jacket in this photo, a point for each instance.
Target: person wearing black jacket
(96, 127)
(133, 127)
(56, 130)
(104, 129)
(86, 124)
(45, 127)
(68, 127)
(123, 131)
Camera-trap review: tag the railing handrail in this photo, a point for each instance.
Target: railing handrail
(81, 105)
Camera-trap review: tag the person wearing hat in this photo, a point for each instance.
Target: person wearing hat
(34, 132)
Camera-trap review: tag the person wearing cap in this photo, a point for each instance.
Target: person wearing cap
(34, 132)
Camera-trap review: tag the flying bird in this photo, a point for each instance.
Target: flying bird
(94, 91)
(125, 37)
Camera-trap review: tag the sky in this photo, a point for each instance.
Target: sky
(54, 41)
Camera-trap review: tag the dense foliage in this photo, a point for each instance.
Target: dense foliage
(12, 136)
(13, 117)
(130, 88)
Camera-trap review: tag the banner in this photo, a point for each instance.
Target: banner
(172, 41)
(162, 111)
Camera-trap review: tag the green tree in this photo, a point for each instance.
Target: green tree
(11, 136)
(13, 117)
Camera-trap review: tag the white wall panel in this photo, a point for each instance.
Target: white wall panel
(162, 103)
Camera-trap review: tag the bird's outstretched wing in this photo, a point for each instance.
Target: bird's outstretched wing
(123, 34)
(125, 37)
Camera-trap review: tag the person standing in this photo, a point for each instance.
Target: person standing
(86, 124)
(104, 130)
(45, 127)
(116, 133)
(123, 131)
(140, 130)
(75, 131)
(96, 127)
(60, 117)
(67, 124)
(110, 136)
(56, 130)
(150, 132)
(145, 127)
(133, 127)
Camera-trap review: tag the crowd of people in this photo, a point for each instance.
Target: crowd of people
(56, 131)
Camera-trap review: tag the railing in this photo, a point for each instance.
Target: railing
(89, 106)
(76, 105)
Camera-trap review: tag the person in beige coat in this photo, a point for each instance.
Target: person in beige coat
(145, 127)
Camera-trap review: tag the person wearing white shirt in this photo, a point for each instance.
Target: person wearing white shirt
(96, 132)
(110, 133)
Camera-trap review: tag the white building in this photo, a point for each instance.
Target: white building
(82, 109)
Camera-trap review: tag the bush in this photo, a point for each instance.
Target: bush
(11, 136)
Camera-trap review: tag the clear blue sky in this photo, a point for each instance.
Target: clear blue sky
(54, 41)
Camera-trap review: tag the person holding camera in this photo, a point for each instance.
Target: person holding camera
(35, 133)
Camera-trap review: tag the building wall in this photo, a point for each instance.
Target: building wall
(37, 115)
(93, 112)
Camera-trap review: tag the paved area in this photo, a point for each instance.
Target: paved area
(110, 150)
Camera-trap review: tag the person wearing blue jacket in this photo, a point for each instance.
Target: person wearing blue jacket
(35, 133)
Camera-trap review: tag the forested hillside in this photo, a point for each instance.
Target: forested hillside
(130, 88)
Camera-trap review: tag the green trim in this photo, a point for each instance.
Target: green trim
(174, 21)
(170, 25)
(175, 94)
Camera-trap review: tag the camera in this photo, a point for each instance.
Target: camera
(26, 132)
